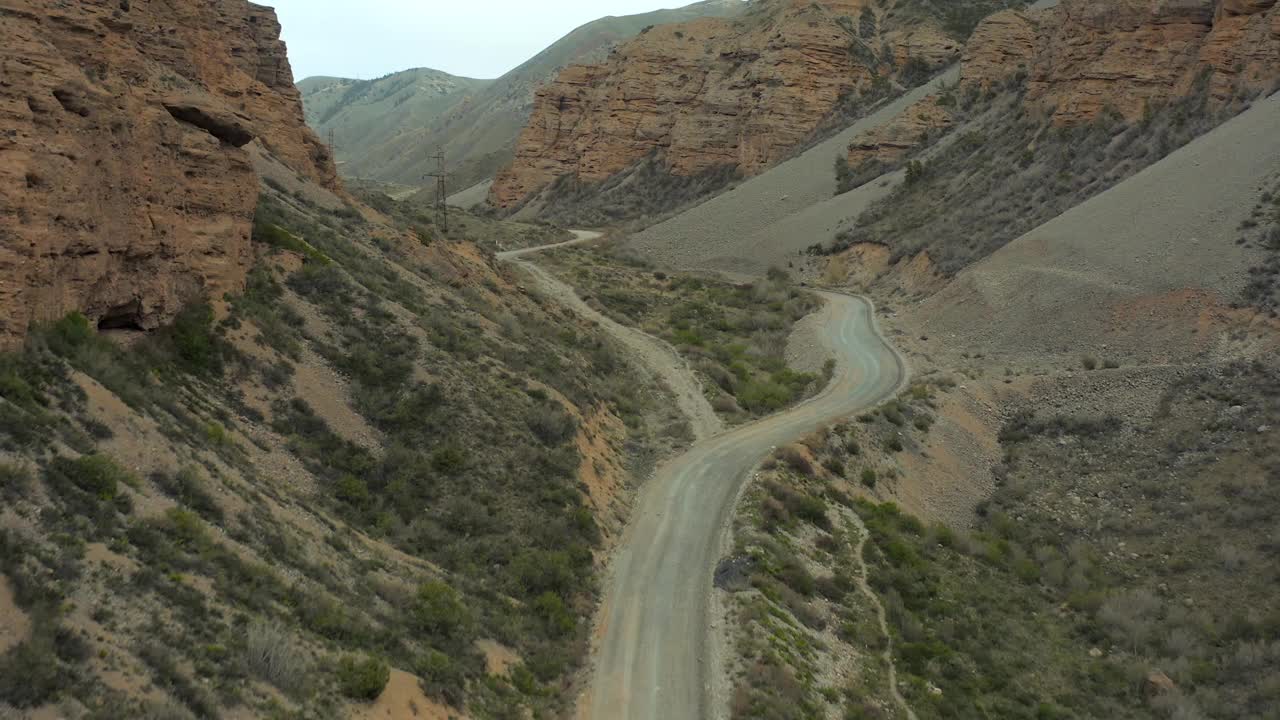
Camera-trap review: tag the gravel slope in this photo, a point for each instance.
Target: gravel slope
(729, 231)
(1130, 271)
(472, 196)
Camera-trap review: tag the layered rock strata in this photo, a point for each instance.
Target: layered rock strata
(126, 189)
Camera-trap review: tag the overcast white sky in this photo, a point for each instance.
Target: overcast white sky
(472, 38)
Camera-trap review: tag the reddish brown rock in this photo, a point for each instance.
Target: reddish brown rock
(125, 187)
(707, 94)
(1156, 684)
(1244, 47)
(927, 43)
(891, 141)
(1001, 46)
(1088, 56)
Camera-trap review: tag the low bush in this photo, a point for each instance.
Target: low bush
(188, 489)
(15, 482)
(439, 612)
(30, 675)
(362, 678)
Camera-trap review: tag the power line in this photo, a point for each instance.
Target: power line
(442, 192)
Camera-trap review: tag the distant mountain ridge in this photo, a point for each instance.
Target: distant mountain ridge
(387, 129)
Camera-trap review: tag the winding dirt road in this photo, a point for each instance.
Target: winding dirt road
(654, 355)
(652, 658)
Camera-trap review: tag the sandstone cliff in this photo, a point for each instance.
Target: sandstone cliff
(715, 93)
(126, 188)
(889, 142)
(1085, 57)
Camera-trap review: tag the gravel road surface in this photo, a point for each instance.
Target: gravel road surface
(652, 660)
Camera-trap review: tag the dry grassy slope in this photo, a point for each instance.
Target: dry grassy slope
(321, 522)
(364, 113)
(724, 232)
(1137, 268)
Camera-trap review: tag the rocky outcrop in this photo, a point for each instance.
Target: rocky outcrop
(888, 143)
(1084, 57)
(711, 93)
(126, 189)
(1001, 46)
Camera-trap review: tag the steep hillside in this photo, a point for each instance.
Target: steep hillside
(1074, 240)
(1066, 102)
(126, 175)
(384, 475)
(267, 450)
(723, 97)
(1133, 270)
(367, 113)
(478, 128)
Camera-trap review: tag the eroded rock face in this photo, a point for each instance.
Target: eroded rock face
(711, 93)
(1087, 56)
(1003, 45)
(125, 187)
(889, 142)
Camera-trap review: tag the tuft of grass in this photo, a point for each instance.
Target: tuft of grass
(271, 654)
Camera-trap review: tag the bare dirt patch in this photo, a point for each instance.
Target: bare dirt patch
(602, 469)
(403, 699)
(498, 658)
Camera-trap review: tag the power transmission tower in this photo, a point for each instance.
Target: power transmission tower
(333, 148)
(442, 192)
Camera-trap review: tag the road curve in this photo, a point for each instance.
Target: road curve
(653, 354)
(651, 657)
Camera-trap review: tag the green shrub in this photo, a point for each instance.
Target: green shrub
(217, 435)
(69, 334)
(15, 482)
(30, 675)
(869, 478)
(442, 678)
(363, 678)
(449, 460)
(99, 475)
(1089, 362)
(439, 611)
(763, 396)
(551, 424)
(187, 488)
(539, 571)
(196, 348)
(351, 490)
(277, 237)
(557, 619)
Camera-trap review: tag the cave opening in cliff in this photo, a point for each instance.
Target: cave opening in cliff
(122, 317)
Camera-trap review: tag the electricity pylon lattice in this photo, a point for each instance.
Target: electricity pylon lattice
(442, 191)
